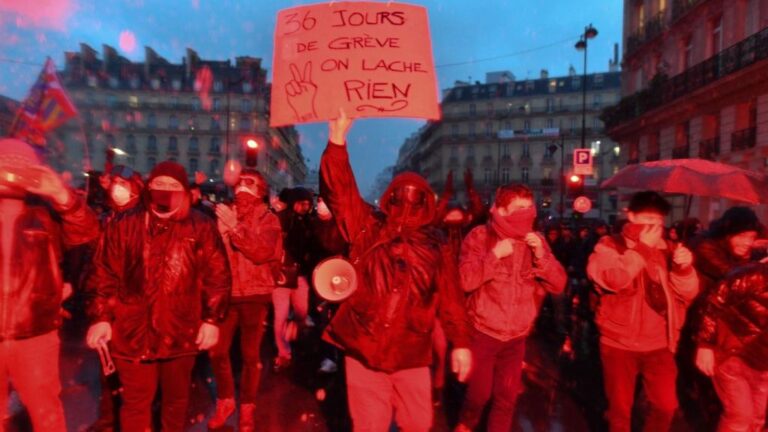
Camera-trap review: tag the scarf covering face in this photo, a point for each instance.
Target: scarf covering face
(515, 225)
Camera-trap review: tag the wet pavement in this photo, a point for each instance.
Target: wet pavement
(559, 393)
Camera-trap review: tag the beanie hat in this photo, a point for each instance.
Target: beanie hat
(734, 221)
(171, 169)
(17, 153)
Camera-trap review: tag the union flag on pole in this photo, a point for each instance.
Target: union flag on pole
(46, 107)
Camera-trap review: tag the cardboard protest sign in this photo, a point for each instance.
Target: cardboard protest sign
(373, 59)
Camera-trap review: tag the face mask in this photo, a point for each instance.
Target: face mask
(166, 203)
(120, 195)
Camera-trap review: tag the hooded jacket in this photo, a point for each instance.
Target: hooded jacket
(156, 281)
(405, 276)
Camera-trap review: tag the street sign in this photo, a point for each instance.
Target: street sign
(582, 162)
(582, 204)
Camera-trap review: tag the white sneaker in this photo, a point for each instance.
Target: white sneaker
(328, 366)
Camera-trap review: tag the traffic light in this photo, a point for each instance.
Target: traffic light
(251, 152)
(575, 185)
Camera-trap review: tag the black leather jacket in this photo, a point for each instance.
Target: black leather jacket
(31, 300)
(735, 320)
(405, 280)
(157, 294)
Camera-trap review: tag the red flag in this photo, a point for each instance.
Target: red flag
(46, 107)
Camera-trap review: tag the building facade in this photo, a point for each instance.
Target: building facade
(694, 86)
(152, 111)
(508, 130)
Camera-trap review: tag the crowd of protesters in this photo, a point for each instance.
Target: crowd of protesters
(444, 292)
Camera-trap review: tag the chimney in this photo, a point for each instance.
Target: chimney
(613, 65)
(571, 71)
(110, 57)
(191, 62)
(544, 74)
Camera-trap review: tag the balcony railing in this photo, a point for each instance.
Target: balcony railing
(681, 152)
(744, 139)
(653, 27)
(663, 90)
(710, 148)
(653, 157)
(681, 7)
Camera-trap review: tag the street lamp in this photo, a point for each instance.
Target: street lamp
(589, 33)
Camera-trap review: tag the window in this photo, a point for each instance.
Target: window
(488, 129)
(218, 86)
(194, 145)
(114, 82)
(573, 124)
(155, 83)
(524, 175)
(151, 121)
(454, 130)
(472, 109)
(196, 104)
(192, 123)
(505, 149)
(526, 125)
(152, 144)
(552, 86)
(176, 84)
(597, 100)
(215, 147)
(151, 162)
(213, 169)
(716, 36)
(576, 82)
(173, 122)
(245, 123)
(596, 123)
(216, 104)
(489, 108)
(526, 149)
(472, 130)
(130, 145)
(215, 124)
(550, 105)
(550, 123)
(687, 53)
(193, 165)
(487, 176)
(247, 87)
(505, 175)
(173, 145)
(246, 105)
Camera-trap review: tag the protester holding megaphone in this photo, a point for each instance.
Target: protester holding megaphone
(402, 266)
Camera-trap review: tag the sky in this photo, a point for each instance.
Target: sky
(469, 38)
